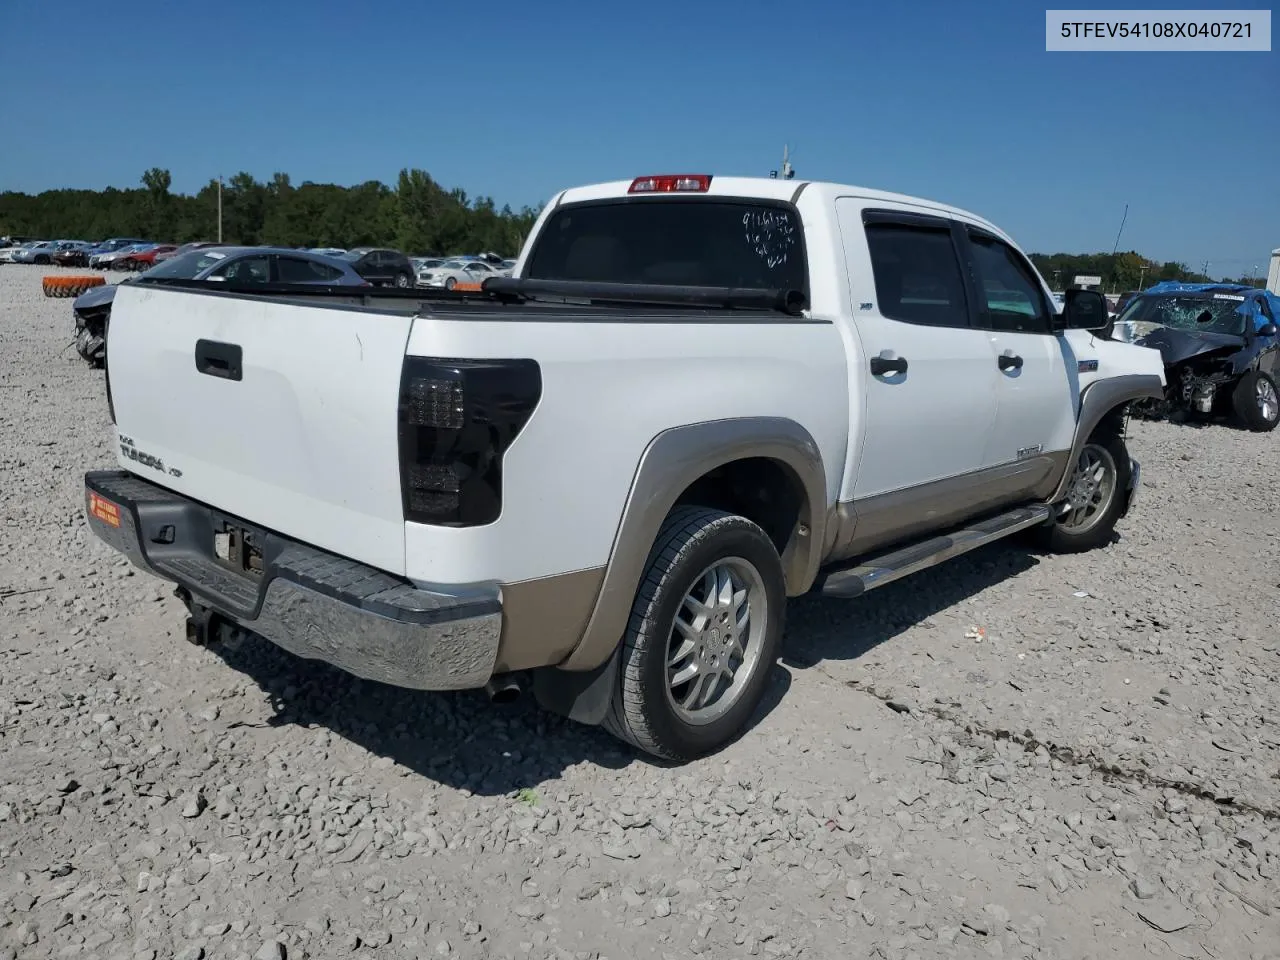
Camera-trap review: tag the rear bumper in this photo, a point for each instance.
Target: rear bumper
(314, 604)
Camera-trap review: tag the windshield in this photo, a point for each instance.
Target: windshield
(1216, 313)
(186, 266)
(678, 242)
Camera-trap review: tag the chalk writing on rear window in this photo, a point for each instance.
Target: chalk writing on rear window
(771, 234)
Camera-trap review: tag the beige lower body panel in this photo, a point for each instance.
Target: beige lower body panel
(860, 526)
(543, 619)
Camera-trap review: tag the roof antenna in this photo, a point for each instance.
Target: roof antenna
(788, 172)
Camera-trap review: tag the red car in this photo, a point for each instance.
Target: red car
(144, 259)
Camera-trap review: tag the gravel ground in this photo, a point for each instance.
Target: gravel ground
(1007, 756)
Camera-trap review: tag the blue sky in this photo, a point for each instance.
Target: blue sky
(959, 103)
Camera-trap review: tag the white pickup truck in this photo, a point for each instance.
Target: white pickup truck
(603, 476)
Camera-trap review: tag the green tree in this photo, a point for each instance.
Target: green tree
(158, 216)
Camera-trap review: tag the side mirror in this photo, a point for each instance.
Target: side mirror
(1267, 330)
(1083, 310)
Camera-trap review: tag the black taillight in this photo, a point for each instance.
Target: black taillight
(457, 419)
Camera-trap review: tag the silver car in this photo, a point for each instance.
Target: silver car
(11, 254)
(43, 251)
(453, 272)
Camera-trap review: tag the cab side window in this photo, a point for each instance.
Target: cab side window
(1011, 298)
(917, 275)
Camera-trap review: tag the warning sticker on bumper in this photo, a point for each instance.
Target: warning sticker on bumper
(104, 510)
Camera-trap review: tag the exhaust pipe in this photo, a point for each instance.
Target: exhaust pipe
(503, 688)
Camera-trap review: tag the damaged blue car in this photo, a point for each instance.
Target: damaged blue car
(1220, 350)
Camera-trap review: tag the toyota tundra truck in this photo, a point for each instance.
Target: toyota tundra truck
(602, 477)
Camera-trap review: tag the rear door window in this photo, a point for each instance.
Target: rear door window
(295, 270)
(917, 274)
(699, 242)
(247, 270)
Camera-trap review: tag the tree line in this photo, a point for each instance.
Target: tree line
(1121, 271)
(418, 215)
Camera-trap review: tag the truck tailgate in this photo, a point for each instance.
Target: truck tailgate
(282, 414)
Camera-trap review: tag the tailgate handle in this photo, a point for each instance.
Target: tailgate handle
(219, 359)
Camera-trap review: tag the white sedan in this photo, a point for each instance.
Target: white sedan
(453, 272)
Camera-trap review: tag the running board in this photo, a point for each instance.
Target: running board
(855, 581)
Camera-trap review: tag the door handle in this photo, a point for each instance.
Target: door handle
(882, 365)
(1010, 361)
(217, 359)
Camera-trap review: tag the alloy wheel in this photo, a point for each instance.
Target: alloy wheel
(715, 643)
(1091, 489)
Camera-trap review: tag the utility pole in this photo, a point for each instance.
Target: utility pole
(1204, 268)
(1142, 274)
(219, 208)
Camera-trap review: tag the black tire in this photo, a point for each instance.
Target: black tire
(42, 261)
(450, 283)
(643, 712)
(403, 280)
(1060, 536)
(1247, 398)
(83, 339)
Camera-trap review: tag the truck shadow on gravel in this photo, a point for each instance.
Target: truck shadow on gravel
(463, 741)
(820, 629)
(457, 739)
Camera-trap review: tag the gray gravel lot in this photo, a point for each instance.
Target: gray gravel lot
(1008, 756)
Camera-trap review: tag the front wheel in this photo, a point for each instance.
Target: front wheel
(1096, 496)
(703, 635)
(450, 283)
(1257, 402)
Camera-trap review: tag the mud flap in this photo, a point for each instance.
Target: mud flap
(583, 696)
(1135, 480)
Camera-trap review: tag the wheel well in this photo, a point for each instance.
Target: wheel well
(764, 491)
(1114, 421)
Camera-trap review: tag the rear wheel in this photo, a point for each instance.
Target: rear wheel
(402, 280)
(1095, 496)
(703, 635)
(1257, 402)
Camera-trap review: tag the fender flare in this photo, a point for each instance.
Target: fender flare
(1097, 401)
(672, 461)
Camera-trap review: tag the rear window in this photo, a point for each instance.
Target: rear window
(675, 242)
